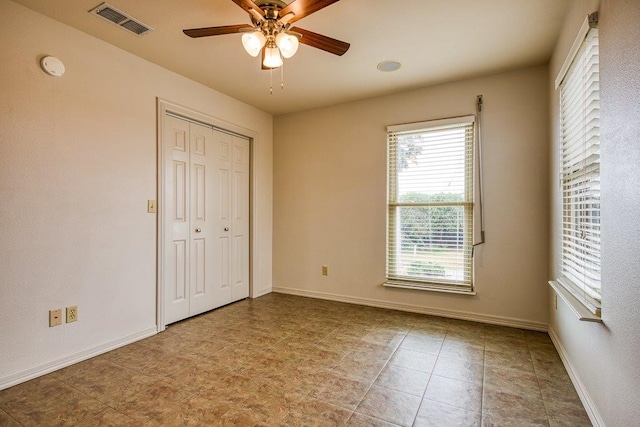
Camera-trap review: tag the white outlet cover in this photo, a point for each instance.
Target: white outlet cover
(52, 66)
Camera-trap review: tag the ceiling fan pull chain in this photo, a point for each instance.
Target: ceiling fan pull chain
(271, 78)
(282, 76)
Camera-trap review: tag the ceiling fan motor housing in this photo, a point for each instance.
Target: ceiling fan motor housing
(267, 18)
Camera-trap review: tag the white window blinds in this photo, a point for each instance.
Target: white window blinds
(430, 204)
(580, 174)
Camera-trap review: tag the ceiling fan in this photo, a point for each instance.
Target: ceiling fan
(271, 33)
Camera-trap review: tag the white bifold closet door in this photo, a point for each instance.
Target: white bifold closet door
(206, 212)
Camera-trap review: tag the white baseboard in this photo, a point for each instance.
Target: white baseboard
(587, 402)
(453, 314)
(29, 374)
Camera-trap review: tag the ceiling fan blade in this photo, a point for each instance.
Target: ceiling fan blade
(215, 31)
(248, 5)
(302, 8)
(321, 42)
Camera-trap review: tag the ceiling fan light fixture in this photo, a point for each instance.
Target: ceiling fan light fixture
(253, 42)
(287, 43)
(272, 57)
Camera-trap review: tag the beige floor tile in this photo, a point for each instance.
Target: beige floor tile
(199, 376)
(319, 412)
(385, 337)
(110, 417)
(422, 344)
(7, 421)
(456, 393)
(155, 362)
(197, 410)
(374, 350)
(403, 379)
(156, 403)
(471, 352)
(466, 336)
(435, 414)
(319, 357)
(539, 345)
(466, 325)
(512, 381)
(562, 413)
(538, 336)
(299, 379)
(244, 417)
(503, 332)
(550, 368)
(390, 405)
(497, 403)
(109, 383)
(360, 367)
(268, 405)
(436, 333)
(414, 360)
(360, 420)
(342, 391)
(459, 369)
(557, 392)
(47, 401)
(431, 323)
(512, 360)
(508, 346)
(491, 420)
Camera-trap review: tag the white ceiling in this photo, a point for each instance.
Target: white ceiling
(435, 40)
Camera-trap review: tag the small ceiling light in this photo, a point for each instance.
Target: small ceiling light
(272, 57)
(253, 42)
(388, 66)
(287, 43)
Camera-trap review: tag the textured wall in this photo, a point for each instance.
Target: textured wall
(605, 356)
(330, 197)
(77, 165)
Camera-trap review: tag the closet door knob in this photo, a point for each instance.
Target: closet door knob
(226, 229)
(198, 230)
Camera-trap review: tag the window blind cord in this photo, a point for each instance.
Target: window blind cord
(480, 183)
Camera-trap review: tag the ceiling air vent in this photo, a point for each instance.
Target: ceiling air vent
(121, 19)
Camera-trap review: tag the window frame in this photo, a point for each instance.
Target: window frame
(393, 279)
(579, 175)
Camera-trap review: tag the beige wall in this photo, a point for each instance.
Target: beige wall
(603, 358)
(77, 165)
(330, 195)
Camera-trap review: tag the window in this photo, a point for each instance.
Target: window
(580, 172)
(430, 204)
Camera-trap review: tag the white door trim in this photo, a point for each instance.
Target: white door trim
(164, 107)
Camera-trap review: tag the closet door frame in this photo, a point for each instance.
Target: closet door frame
(163, 108)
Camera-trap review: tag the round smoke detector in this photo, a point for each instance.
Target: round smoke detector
(52, 66)
(388, 66)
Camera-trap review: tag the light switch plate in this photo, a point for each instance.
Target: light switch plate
(151, 206)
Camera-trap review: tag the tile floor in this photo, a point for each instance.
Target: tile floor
(282, 360)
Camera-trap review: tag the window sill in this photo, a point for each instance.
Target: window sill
(581, 312)
(430, 288)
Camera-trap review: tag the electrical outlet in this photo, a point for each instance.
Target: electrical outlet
(55, 317)
(72, 313)
(151, 206)
(325, 270)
